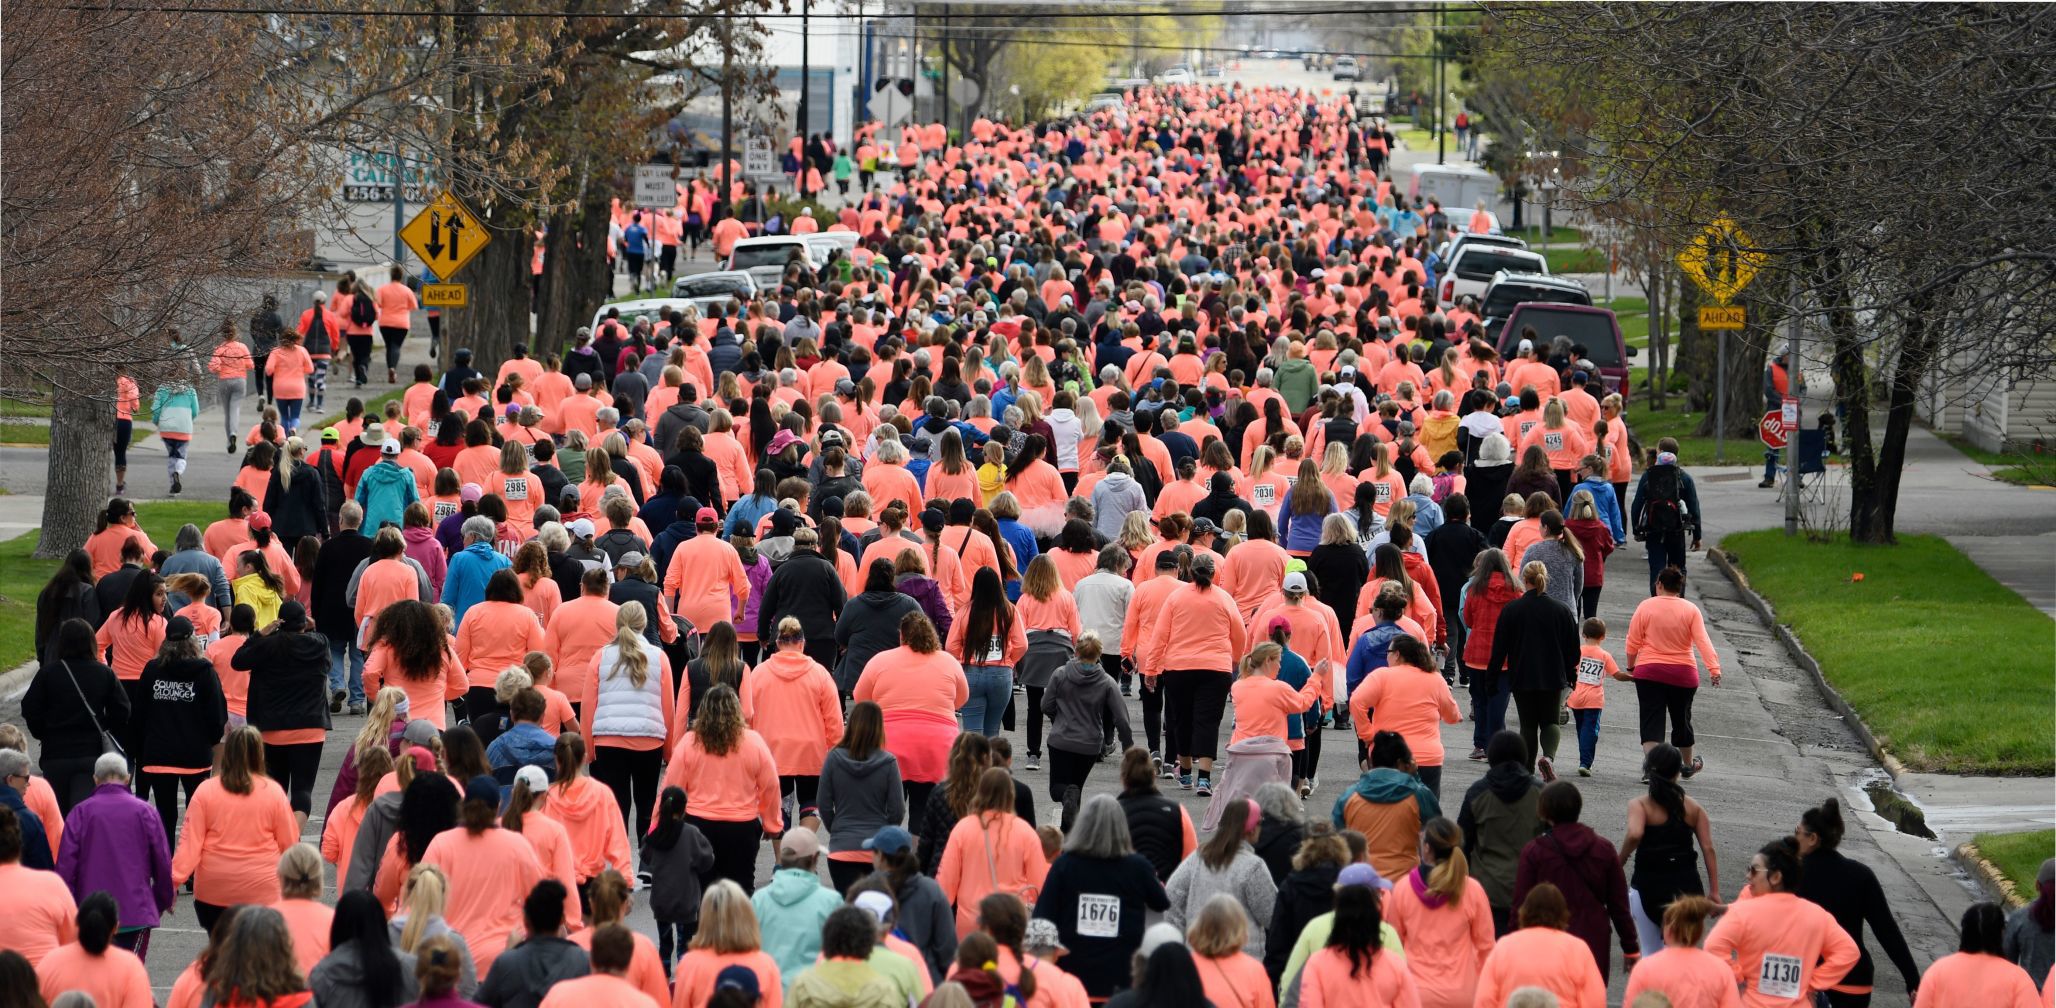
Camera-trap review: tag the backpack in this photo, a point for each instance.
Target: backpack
(1444, 483)
(1663, 510)
(362, 311)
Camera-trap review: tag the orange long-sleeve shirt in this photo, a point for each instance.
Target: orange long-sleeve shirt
(1262, 704)
(1445, 945)
(645, 974)
(1407, 700)
(1251, 573)
(104, 547)
(1316, 636)
(1143, 607)
(1556, 961)
(308, 922)
(490, 872)
(738, 786)
(1689, 977)
(134, 642)
(988, 853)
(495, 636)
(1328, 981)
(694, 975)
(1782, 948)
(591, 817)
(796, 710)
(905, 679)
(707, 579)
(577, 631)
(41, 914)
(41, 799)
(998, 651)
(339, 837)
(425, 697)
(1666, 630)
(230, 843)
(1195, 629)
(552, 845)
(114, 979)
(1058, 612)
(1972, 978)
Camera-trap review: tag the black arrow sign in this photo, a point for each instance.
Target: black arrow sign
(435, 233)
(456, 225)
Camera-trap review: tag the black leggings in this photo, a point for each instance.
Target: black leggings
(163, 789)
(802, 789)
(632, 773)
(1196, 699)
(1156, 721)
(1068, 769)
(360, 357)
(1537, 708)
(294, 767)
(207, 914)
(71, 777)
(735, 849)
(917, 793)
(1034, 720)
(1656, 700)
(843, 874)
(395, 337)
(1306, 762)
(1591, 601)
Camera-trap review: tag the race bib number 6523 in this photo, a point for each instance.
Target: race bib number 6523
(1778, 977)
(1099, 916)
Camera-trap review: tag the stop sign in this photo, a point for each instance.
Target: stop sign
(1771, 430)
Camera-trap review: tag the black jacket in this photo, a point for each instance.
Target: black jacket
(338, 559)
(183, 714)
(1340, 570)
(636, 590)
(806, 588)
(1452, 548)
(1101, 964)
(1157, 828)
(81, 602)
(59, 720)
(869, 627)
(1849, 890)
(1535, 644)
(553, 479)
(110, 590)
(1302, 896)
(524, 973)
(1213, 507)
(1485, 488)
(702, 478)
(288, 679)
(301, 510)
(567, 573)
(1276, 842)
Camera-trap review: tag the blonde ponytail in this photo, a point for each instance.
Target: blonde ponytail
(629, 623)
(1452, 870)
(427, 891)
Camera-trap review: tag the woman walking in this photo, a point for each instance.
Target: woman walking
(1226, 863)
(1049, 614)
(1688, 975)
(1849, 890)
(1663, 826)
(793, 704)
(869, 623)
(1535, 651)
(1100, 894)
(627, 711)
(920, 688)
(289, 700)
(1194, 642)
(1978, 973)
(67, 595)
(992, 850)
(1408, 696)
(1353, 968)
(237, 824)
(1559, 551)
(989, 638)
(1583, 866)
(362, 968)
(731, 783)
(1663, 635)
(1543, 954)
(182, 718)
(1781, 948)
(1084, 704)
(589, 812)
(490, 870)
(72, 704)
(131, 637)
(860, 793)
(1443, 918)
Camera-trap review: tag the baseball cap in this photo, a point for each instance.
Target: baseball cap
(424, 760)
(532, 775)
(292, 615)
(706, 514)
(1527, 346)
(1363, 875)
(890, 840)
(420, 731)
(388, 446)
(831, 437)
(179, 628)
(470, 493)
(738, 978)
(800, 841)
(582, 528)
(875, 903)
(259, 520)
(630, 560)
(1159, 935)
(331, 434)
(843, 386)
(483, 788)
(1295, 583)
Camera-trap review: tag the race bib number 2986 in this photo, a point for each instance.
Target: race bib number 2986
(1099, 916)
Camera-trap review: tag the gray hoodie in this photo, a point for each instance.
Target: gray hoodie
(857, 798)
(337, 981)
(1112, 498)
(525, 972)
(467, 974)
(1080, 701)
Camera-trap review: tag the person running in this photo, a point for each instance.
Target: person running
(1977, 973)
(1196, 636)
(1663, 825)
(1850, 891)
(1781, 948)
(731, 782)
(237, 824)
(1663, 635)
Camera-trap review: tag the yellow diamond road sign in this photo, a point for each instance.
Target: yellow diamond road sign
(1721, 259)
(445, 234)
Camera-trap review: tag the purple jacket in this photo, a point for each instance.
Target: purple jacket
(929, 594)
(102, 837)
(759, 575)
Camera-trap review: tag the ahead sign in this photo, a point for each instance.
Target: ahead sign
(1771, 430)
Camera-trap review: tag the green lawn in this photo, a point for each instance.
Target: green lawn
(2010, 466)
(1633, 315)
(1419, 139)
(28, 433)
(1693, 450)
(22, 577)
(1575, 259)
(13, 407)
(1558, 234)
(2018, 856)
(1951, 669)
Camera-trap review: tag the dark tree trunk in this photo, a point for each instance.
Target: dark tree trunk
(1659, 338)
(498, 315)
(1698, 353)
(1916, 355)
(574, 271)
(1852, 391)
(80, 470)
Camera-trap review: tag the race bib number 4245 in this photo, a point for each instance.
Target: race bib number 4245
(1778, 977)
(1099, 916)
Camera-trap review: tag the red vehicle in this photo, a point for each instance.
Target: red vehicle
(1595, 329)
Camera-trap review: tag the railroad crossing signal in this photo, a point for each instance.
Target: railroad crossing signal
(1721, 259)
(446, 235)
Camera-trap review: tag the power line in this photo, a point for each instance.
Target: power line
(1319, 11)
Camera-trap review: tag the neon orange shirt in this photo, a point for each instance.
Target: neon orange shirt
(229, 843)
(41, 914)
(114, 979)
(489, 872)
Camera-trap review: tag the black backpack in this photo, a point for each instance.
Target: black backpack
(363, 312)
(1663, 509)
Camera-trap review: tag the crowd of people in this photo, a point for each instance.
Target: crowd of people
(1154, 402)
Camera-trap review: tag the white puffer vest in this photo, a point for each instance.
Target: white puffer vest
(622, 708)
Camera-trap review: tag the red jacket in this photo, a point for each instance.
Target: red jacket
(1481, 618)
(1418, 569)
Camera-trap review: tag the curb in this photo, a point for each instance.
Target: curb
(1988, 876)
(1805, 661)
(17, 677)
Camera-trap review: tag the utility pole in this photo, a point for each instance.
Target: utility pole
(806, 80)
(1441, 138)
(943, 95)
(1795, 374)
(727, 111)
(399, 200)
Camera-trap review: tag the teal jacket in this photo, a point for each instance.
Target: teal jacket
(173, 408)
(384, 491)
(1386, 786)
(790, 912)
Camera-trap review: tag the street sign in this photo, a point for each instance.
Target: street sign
(1721, 316)
(446, 235)
(757, 158)
(445, 295)
(1771, 430)
(1722, 260)
(1789, 410)
(655, 185)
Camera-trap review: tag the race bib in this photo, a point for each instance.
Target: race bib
(444, 509)
(1265, 494)
(1383, 491)
(1099, 916)
(1778, 976)
(1590, 670)
(1527, 425)
(994, 653)
(514, 490)
(1552, 441)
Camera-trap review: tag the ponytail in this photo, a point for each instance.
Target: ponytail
(1451, 869)
(519, 801)
(426, 893)
(629, 623)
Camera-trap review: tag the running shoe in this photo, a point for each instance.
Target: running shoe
(1205, 788)
(1034, 762)
(1547, 769)
(1184, 782)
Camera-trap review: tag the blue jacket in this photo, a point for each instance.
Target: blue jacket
(35, 843)
(524, 744)
(1608, 504)
(1293, 672)
(470, 568)
(384, 491)
(1427, 516)
(1022, 540)
(196, 561)
(1369, 654)
(1300, 533)
(743, 514)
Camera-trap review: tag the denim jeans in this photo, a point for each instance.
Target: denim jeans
(992, 686)
(289, 413)
(346, 666)
(1587, 719)
(1490, 710)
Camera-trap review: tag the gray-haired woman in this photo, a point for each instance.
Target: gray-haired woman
(1099, 892)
